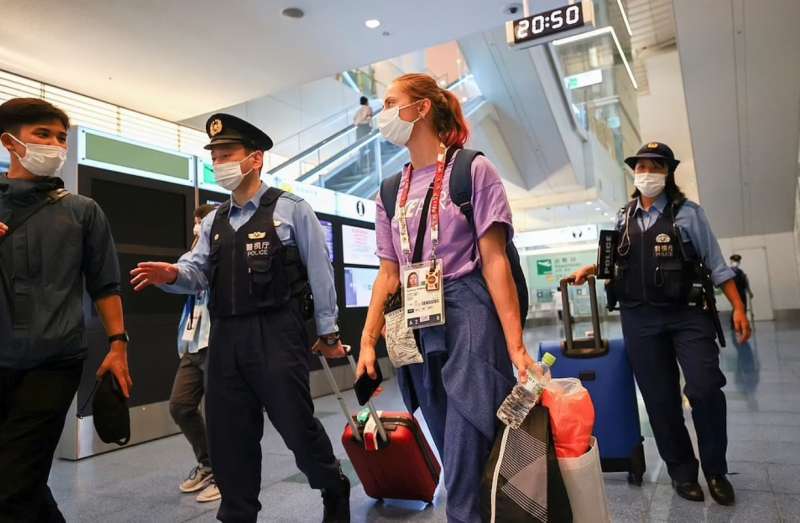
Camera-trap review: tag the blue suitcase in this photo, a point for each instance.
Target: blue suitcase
(603, 368)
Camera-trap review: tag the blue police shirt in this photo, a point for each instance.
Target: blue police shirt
(694, 227)
(296, 225)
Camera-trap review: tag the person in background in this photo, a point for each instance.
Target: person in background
(46, 263)
(189, 385)
(468, 362)
(363, 122)
(666, 244)
(363, 118)
(742, 282)
(261, 255)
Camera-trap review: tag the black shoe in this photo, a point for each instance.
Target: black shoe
(337, 503)
(721, 490)
(689, 490)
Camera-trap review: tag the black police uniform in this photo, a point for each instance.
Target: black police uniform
(657, 277)
(259, 357)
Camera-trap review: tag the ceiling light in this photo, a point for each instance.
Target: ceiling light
(598, 209)
(373, 23)
(464, 99)
(589, 202)
(293, 12)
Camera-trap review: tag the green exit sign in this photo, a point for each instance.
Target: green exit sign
(544, 267)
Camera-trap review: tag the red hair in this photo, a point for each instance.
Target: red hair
(448, 118)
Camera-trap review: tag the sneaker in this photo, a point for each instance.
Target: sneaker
(337, 503)
(197, 479)
(211, 493)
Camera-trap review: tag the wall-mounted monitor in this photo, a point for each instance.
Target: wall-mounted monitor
(142, 215)
(359, 246)
(358, 286)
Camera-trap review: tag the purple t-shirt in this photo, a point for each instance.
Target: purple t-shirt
(455, 234)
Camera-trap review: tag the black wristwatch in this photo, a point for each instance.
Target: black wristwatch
(119, 337)
(331, 340)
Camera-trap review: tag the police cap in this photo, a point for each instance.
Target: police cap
(225, 128)
(654, 151)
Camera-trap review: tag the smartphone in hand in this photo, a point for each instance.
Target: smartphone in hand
(365, 386)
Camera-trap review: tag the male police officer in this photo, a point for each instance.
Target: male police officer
(51, 243)
(262, 254)
(666, 250)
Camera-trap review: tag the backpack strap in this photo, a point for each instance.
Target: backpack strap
(461, 188)
(389, 189)
(54, 196)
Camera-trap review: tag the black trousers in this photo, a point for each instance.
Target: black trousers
(261, 362)
(657, 340)
(33, 407)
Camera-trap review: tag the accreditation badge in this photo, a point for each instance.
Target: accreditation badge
(192, 325)
(423, 294)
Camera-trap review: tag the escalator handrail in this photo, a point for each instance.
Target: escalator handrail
(310, 150)
(373, 134)
(360, 143)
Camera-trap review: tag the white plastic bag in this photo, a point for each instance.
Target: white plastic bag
(585, 488)
(401, 345)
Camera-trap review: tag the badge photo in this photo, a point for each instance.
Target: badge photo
(413, 280)
(432, 281)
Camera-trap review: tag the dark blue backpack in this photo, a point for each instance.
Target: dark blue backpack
(461, 195)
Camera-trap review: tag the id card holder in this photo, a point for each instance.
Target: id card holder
(423, 294)
(193, 325)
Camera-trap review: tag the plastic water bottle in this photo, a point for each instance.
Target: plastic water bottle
(524, 396)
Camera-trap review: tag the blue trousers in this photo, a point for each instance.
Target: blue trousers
(467, 373)
(657, 340)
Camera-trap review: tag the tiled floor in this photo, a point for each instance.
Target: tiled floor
(140, 483)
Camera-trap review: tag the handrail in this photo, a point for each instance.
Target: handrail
(321, 122)
(356, 145)
(310, 150)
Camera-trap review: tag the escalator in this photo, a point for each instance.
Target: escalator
(356, 166)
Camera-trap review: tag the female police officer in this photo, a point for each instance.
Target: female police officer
(665, 246)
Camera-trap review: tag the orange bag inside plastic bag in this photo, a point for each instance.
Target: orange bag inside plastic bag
(571, 416)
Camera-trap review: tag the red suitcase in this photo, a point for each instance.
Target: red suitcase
(403, 466)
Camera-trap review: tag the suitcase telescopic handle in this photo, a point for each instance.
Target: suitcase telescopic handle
(343, 404)
(593, 346)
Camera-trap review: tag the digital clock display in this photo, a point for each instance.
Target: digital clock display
(548, 23)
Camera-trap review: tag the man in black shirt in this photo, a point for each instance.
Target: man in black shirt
(45, 257)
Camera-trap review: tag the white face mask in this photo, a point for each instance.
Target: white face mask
(41, 160)
(650, 184)
(229, 175)
(395, 129)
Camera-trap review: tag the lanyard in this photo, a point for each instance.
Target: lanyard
(438, 180)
